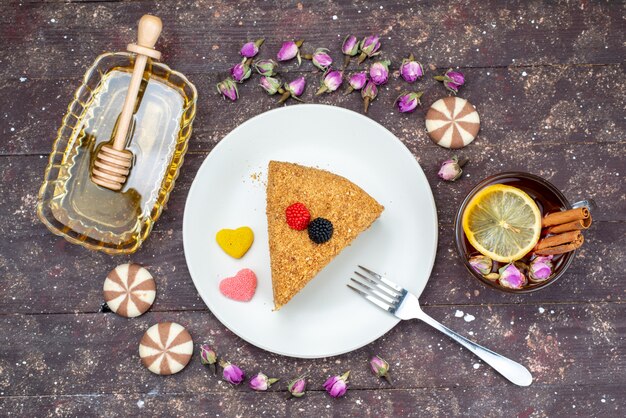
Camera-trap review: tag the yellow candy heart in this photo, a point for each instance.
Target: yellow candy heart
(235, 242)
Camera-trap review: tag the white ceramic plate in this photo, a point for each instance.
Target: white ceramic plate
(326, 318)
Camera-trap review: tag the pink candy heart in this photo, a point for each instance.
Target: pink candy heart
(240, 287)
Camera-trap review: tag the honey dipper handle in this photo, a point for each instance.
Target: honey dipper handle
(147, 35)
(149, 30)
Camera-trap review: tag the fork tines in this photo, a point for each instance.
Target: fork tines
(378, 290)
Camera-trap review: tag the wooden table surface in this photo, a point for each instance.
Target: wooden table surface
(548, 81)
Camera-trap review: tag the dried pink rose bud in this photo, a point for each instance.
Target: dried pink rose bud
(228, 89)
(511, 277)
(293, 89)
(266, 67)
(331, 82)
(480, 263)
(297, 387)
(379, 72)
(407, 102)
(451, 169)
(261, 382)
(411, 70)
(270, 85)
(456, 77)
(290, 50)
(350, 46)
(452, 80)
(369, 47)
(231, 373)
(208, 357)
(241, 71)
(250, 49)
(287, 51)
(321, 59)
(380, 368)
(369, 93)
(296, 87)
(356, 82)
(337, 386)
(540, 269)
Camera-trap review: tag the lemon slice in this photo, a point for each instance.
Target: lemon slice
(502, 222)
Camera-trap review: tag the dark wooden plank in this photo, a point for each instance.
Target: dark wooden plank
(580, 171)
(46, 274)
(200, 36)
(518, 106)
(585, 401)
(562, 344)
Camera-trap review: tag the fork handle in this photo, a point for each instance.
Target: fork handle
(514, 372)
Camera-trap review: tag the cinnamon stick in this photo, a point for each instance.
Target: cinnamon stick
(563, 217)
(561, 249)
(559, 239)
(578, 225)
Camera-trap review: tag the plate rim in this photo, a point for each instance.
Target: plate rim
(217, 146)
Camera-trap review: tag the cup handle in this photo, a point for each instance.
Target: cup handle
(589, 203)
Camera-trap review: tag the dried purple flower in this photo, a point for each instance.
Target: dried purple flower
(250, 49)
(290, 50)
(356, 82)
(321, 59)
(330, 82)
(511, 277)
(452, 80)
(456, 77)
(231, 373)
(261, 382)
(540, 269)
(266, 67)
(480, 263)
(297, 387)
(369, 47)
(379, 72)
(407, 102)
(287, 51)
(293, 89)
(241, 71)
(337, 386)
(350, 46)
(411, 70)
(228, 89)
(380, 367)
(369, 93)
(270, 85)
(207, 355)
(296, 87)
(450, 171)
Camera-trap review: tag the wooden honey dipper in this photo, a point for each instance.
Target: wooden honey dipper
(113, 162)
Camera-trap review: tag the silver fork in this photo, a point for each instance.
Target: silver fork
(404, 305)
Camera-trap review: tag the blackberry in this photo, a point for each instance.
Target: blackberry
(320, 230)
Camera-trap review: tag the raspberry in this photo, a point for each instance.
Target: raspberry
(320, 230)
(298, 216)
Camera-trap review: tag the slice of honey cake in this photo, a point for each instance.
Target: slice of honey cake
(312, 215)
